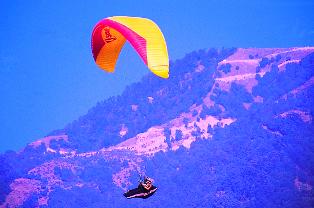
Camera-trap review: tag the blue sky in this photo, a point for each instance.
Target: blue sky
(47, 74)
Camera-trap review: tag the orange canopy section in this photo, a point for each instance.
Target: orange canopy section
(110, 34)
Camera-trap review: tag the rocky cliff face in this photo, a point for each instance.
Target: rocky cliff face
(230, 128)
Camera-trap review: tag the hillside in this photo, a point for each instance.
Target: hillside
(229, 128)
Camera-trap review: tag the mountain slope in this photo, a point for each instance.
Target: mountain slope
(231, 128)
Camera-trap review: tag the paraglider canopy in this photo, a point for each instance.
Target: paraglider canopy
(110, 34)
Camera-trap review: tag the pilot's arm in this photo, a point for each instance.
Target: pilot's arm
(147, 187)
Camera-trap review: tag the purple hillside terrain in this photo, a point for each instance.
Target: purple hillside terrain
(230, 128)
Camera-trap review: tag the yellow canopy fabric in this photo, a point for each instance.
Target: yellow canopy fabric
(110, 34)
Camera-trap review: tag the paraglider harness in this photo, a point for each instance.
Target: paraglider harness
(144, 190)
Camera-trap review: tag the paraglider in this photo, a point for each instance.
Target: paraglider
(108, 37)
(144, 190)
(110, 34)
